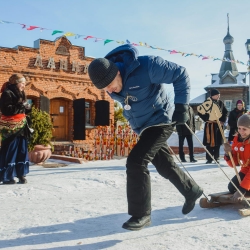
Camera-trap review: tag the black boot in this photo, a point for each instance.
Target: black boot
(183, 159)
(22, 180)
(190, 200)
(192, 159)
(9, 182)
(135, 223)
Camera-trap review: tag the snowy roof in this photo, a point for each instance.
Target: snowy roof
(226, 83)
(198, 99)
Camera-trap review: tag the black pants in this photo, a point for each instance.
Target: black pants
(152, 147)
(214, 151)
(231, 187)
(190, 146)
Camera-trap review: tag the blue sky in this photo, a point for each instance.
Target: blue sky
(191, 26)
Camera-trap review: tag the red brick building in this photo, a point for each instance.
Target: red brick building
(58, 83)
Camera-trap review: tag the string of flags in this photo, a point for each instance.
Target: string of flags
(105, 41)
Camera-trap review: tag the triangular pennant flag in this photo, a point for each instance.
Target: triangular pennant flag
(187, 55)
(32, 27)
(69, 34)
(2, 21)
(77, 36)
(56, 31)
(98, 39)
(127, 41)
(107, 41)
(24, 25)
(87, 37)
(122, 42)
(141, 44)
(205, 57)
(173, 52)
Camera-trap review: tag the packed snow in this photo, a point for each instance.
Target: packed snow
(83, 206)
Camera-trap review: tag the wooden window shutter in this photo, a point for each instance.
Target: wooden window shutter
(44, 103)
(79, 119)
(102, 113)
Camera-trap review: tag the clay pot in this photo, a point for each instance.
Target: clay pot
(40, 154)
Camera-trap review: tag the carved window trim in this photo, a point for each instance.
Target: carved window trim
(62, 50)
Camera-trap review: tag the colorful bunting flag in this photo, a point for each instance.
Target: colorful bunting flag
(2, 22)
(87, 37)
(69, 34)
(173, 52)
(24, 25)
(108, 41)
(56, 31)
(98, 39)
(32, 27)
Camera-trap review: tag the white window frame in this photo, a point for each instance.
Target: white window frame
(228, 104)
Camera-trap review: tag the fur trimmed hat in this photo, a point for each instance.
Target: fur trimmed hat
(214, 92)
(102, 72)
(244, 121)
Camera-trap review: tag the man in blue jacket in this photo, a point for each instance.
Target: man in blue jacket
(137, 83)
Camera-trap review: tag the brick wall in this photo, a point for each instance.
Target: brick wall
(58, 70)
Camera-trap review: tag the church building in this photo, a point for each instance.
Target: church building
(229, 81)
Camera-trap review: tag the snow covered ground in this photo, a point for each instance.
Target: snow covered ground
(83, 206)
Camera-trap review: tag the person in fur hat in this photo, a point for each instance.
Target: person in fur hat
(14, 131)
(212, 138)
(233, 118)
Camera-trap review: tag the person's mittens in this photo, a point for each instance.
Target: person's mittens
(180, 115)
(227, 148)
(237, 197)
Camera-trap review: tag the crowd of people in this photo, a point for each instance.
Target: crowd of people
(137, 83)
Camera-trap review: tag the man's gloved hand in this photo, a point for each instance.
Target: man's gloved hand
(237, 197)
(227, 148)
(180, 115)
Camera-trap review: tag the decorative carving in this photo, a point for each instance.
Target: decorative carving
(63, 64)
(86, 66)
(75, 66)
(62, 50)
(38, 62)
(33, 87)
(51, 63)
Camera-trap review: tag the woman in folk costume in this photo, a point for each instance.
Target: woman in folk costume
(14, 131)
(240, 151)
(233, 118)
(212, 138)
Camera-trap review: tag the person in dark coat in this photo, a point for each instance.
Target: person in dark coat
(137, 83)
(212, 138)
(184, 133)
(14, 131)
(233, 118)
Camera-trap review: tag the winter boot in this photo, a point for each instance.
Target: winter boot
(190, 201)
(137, 223)
(22, 180)
(192, 159)
(183, 159)
(9, 182)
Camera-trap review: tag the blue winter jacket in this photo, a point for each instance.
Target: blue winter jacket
(143, 78)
